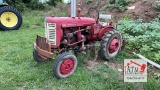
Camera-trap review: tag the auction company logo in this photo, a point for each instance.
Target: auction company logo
(135, 70)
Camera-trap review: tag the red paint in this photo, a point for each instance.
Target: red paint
(103, 31)
(143, 66)
(95, 29)
(79, 35)
(113, 46)
(67, 66)
(54, 46)
(65, 22)
(79, 15)
(92, 37)
(59, 34)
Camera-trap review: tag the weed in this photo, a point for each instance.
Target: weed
(142, 37)
(88, 1)
(96, 5)
(156, 5)
(119, 4)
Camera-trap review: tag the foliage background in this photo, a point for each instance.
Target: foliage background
(22, 5)
(143, 38)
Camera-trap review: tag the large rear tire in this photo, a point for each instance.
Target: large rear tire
(110, 44)
(10, 18)
(65, 65)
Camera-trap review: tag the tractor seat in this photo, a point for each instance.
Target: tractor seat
(103, 24)
(105, 17)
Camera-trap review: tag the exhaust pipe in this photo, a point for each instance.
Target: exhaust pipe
(73, 8)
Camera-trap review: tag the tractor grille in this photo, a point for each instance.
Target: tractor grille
(50, 32)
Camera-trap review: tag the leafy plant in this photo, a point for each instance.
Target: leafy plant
(88, 1)
(156, 75)
(22, 5)
(142, 37)
(53, 2)
(156, 5)
(133, 1)
(96, 5)
(119, 4)
(103, 8)
(111, 1)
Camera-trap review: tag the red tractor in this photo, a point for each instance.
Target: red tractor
(63, 34)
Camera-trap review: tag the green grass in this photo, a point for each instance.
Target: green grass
(19, 71)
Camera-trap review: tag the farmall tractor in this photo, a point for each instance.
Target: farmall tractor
(10, 18)
(63, 34)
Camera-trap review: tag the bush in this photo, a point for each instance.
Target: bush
(142, 37)
(53, 2)
(119, 4)
(35, 4)
(156, 5)
(88, 1)
(18, 4)
(22, 5)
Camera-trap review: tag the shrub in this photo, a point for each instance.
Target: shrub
(35, 4)
(156, 5)
(53, 2)
(22, 5)
(119, 4)
(142, 37)
(88, 1)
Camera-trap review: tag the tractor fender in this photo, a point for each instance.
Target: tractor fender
(103, 31)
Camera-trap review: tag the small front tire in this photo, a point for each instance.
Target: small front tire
(37, 57)
(65, 65)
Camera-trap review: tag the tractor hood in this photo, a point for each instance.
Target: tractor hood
(71, 22)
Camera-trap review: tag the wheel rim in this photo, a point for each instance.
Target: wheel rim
(9, 19)
(67, 66)
(114, 45)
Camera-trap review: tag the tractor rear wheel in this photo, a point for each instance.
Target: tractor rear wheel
(65, 65)
(10, 18)
(110, 44)
(37, 57)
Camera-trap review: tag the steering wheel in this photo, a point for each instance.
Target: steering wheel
(93, 13)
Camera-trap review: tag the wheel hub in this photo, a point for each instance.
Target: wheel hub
(67, 66)
(9, 19)
(114, 44)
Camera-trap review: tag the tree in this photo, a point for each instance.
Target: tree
(33, 4)
(53, 2)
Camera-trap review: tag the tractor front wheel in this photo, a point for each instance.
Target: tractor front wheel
(65, 65)
(10, 18)
(110, 44)
(37, 57)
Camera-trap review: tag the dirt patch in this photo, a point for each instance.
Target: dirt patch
(91, 65)
(153, 71)
(118, 67)
(143, 9)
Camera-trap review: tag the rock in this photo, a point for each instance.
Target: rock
(120, 70)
